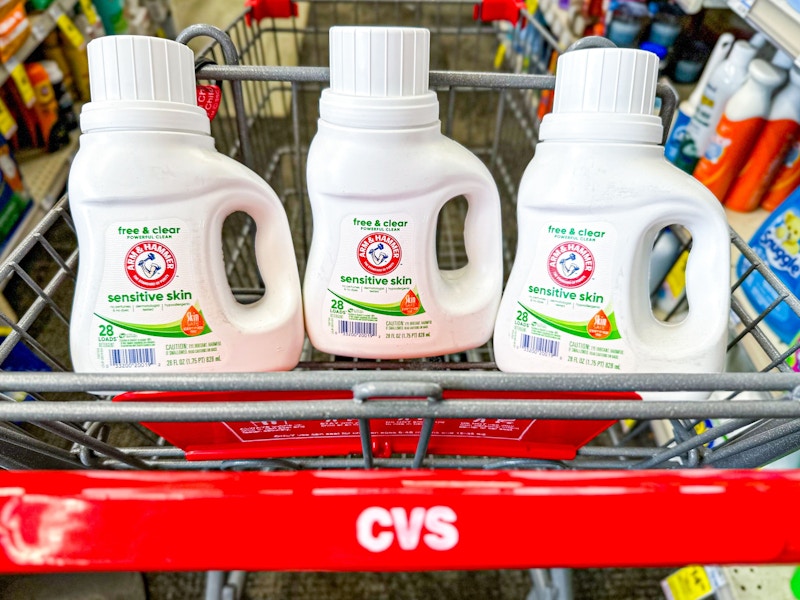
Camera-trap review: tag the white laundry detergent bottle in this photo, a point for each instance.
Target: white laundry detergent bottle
(379, 172)
(149, 194)
(590, 206)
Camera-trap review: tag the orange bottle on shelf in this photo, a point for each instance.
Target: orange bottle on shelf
(787, 178)
(739, 128)
(46, 108)
(775, 142)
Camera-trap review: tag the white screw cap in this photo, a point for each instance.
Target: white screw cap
(384, 62)
(135, 67)
(606, 80)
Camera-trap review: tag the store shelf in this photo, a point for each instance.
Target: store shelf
(45, 173)
(41, 26)
(774, 18)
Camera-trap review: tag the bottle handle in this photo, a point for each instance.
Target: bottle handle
(707, 279)
(474, 284)
(281, 306)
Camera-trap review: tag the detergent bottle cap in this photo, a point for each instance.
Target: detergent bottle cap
(379, 78)
(140, 82)
(608, 92)
(379, 61)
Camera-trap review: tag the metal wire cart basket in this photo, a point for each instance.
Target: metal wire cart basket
(378, 465)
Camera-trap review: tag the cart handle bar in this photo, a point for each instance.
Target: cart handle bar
(53, 521)
(438, 79)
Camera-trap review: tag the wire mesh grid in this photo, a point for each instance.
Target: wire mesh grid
(493, 112)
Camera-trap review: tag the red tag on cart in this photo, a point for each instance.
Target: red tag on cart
(523, 438)
(208, 98)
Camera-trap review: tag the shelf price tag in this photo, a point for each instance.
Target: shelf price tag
(70, 31)
(88, 9)
(20, 77)
(8, 125)
(689, 583)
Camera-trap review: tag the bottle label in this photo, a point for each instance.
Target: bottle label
(148, 311)
(565, 311)
(779, 245)
(699, 130)
(673, 146)
(786, 180)
(727, 153)
(374, 292)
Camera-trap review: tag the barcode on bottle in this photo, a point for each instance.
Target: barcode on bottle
(538, 345)
(357, 328)
(132, 357)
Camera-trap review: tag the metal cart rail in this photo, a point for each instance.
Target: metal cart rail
(80, 467)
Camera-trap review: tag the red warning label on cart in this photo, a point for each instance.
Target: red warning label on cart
(524, 438)
(262, 431)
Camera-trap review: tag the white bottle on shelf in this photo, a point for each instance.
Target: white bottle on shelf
(688, 107)
(722, 84)
(149, 194)
(379, 172)
(591, 203)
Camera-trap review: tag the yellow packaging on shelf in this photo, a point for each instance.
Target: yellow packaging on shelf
(14, 30)
(689, 583)
(20, 77)
(79, 67)
(71, 33)
(8, 124)
(88, 9)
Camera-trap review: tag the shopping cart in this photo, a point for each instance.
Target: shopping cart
(88, 487)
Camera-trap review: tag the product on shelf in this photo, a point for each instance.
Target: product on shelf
(687, 108)
(67, 117)
(591, 204)
(14, 30)
(379, 173)
(26, 134)
(53, 51)
(14, 199)
(10, 170)
(723, 83)
(52, 132)
(741, 124)
(777, 243)
(770, 150)
(149, 194)
(628, 21)
(77, 59)
(112, 13)
(786, 180)
(689, 58)
(665, 28)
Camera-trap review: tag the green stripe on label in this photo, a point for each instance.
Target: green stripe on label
(576, 328)
(168, 330)
(390, 310)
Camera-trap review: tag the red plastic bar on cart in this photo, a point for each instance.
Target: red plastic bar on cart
(269, 9)
(498, 10)
(522, 438)
(393, 520)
